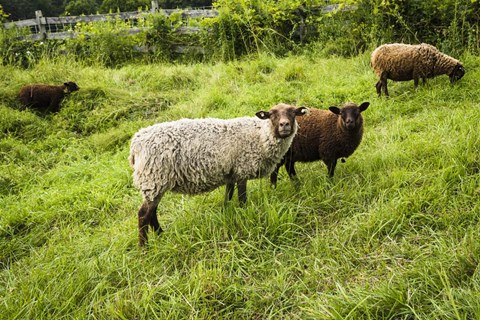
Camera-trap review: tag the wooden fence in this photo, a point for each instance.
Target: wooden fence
(57, 28)
(45, 28)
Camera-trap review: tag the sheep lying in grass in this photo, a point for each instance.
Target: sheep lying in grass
(192, 156)
(404, 62)
(45, 98)
(324, 135)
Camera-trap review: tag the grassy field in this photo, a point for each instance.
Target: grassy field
(393, 236)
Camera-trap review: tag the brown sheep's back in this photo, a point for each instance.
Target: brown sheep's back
(397, 60)
(313, 128)
(39, 95)
(45, 97)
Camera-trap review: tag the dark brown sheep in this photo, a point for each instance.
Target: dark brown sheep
(44, 97)
(324, 135)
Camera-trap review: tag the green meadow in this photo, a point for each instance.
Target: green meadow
(394, 235)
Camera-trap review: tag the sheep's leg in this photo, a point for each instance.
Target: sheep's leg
(378, 86)
(385, 88)
(229, 188)
(143, 224)
(154, 223)
(242, 191)
(147, 215)
(153, 215)
(415, 83)
(383, 83)
(290, 166)
(54, 105)
(274, 175)
(331, 164)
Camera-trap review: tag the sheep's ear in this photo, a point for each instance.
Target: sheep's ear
(300, 111)
(364, 106)
(334, 110)
(263, 115)
(65, 84)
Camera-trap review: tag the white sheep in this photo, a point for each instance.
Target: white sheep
(193, 156)
(404, 62)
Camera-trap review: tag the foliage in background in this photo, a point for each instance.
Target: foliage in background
(246, 27)
(166, 41)
(174, 4)
(21, 53)
(160, 38)
(451, 25)
(280, 27)
(78, 7)
(25, 9)
(106, 43)
(3, 14)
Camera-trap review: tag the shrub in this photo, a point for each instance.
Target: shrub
(245, 27)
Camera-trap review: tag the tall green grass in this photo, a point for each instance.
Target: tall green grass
(393, 236)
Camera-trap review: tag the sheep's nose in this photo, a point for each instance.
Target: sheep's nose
(350, 123)
(284, 124)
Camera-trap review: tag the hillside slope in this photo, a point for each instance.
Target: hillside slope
(393, 236)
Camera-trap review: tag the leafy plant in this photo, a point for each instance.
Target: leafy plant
(106, 43)
(245, 27)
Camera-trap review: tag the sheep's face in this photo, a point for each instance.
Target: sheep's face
(457, 73)
(71, 86)
(283, 120)
(350, 115)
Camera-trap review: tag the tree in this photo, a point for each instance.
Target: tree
(79, 7)
(3, 15)
(25, 9)
(123, 5)
(173, 4)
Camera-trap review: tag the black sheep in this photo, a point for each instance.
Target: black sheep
(44, 97)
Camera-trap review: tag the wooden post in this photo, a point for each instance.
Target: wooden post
(41, 23)
(154, 8)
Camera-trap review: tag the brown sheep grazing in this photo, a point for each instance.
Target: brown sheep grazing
(404, 62)
(44, 97)
(324, 135)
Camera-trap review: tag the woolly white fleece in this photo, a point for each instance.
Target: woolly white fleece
(198, 155)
